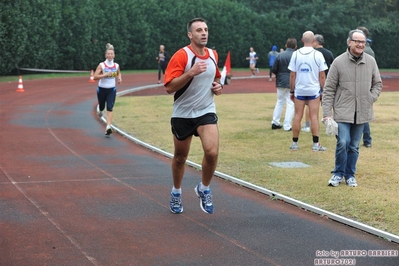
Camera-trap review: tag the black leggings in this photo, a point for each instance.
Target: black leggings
(108, 96)
(161, 68)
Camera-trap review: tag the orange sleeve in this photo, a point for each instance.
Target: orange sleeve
(176, 66)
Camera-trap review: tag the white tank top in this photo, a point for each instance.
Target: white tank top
(197, 99)
(307, 63)
(108, 82)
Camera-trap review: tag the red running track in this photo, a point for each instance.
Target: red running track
(71, 196)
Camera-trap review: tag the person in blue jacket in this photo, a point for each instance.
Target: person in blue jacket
(272, 56)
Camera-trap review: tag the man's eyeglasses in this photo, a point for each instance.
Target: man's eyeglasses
(358, 41)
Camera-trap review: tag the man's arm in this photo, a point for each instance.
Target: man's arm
(292, 81)
(178, 83)
(292, 85)
(322, 79)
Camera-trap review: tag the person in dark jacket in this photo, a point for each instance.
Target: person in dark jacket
(280, 69)
(162, 59)
(319, 46)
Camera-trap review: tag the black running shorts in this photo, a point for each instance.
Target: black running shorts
(183, 128)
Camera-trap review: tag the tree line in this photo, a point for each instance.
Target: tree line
(72, 34)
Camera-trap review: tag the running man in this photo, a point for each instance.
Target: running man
(193, 76)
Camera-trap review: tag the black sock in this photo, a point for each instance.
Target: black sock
(295, 139)
(315, 139)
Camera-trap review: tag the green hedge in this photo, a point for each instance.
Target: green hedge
(71, 34)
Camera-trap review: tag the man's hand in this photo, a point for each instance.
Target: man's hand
(324, 119)
(198, 68)
(216, 88)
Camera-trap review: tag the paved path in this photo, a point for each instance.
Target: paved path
(71, 196)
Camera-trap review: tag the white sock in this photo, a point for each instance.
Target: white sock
(176, 190)
(203, 188)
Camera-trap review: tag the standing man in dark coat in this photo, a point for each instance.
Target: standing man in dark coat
(280, 69)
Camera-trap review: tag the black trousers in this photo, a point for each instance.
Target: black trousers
(161, 68)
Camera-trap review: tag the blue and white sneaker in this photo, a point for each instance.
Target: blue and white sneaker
(334, 181)
(205, 199)
(351, 182)
(175, 204)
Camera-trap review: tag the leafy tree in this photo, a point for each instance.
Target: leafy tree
(14, 34)
(41, 49)
(72, 34)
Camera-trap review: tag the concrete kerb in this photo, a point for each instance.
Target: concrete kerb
(380, 233)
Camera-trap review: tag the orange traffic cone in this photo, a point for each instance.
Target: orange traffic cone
(92, 76)
(20, 85)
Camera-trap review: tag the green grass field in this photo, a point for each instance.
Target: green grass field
(248, 146)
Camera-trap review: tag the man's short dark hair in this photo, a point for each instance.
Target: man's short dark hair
(319, 38)
(365, 30)
(192, 21)
(291, 43)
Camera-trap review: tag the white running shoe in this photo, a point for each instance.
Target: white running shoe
(294, 146)
(108, 130)
(318, 147)
(351, 182)
(334, 181)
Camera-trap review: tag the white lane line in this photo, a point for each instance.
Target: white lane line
(49, 218)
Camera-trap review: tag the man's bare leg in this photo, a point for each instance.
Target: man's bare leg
(296, 123)
(314, 106)
(209, 135)
(182, 148)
